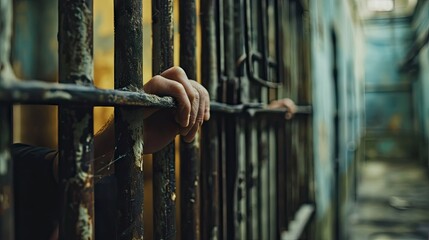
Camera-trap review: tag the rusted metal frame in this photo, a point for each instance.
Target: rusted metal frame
(263, 22)
(251, 54)
(210, 172)
(253, 222)
(209, 67)
(128, 121)
(190, 158)
(253, 109)
(223, 177)
(289, 173)
(282, 200)
(272, 187)
(210, 169)
(240, 183)
(75, 140)
(278, 38)
(164, 182)
(263, 172)
(38, 92)
(231, 167)
(232, 164)
(6, 174)
(7, 228)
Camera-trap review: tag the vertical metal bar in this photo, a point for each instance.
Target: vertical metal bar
(282, 200)
(210, 195)
(240, 188)
(76, 122)
(189, 152)
(263, 179)
(252, 179)
(6, 169)
(209, 65)
(6, 174)
(128, 123)
(272, 173)
(164, 183)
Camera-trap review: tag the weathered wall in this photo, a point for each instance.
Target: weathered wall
(389, 116)
(336, 54)
(419, 66)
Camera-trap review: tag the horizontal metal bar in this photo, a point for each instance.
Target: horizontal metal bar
(37, 92)
(253, 108)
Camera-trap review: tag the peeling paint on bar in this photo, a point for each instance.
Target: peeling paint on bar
(128, 120)
(85, 222)
(75, 121)
(136, 123)
(37, 92)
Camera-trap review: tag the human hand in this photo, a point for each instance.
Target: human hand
(193, 108)
(284, 103)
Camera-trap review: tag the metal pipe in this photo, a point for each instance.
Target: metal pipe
(75, 122)
(128, 123)
(164, 183)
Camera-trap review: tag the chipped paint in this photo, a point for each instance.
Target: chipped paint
(57, 94)
(84, 223)
(135, 126)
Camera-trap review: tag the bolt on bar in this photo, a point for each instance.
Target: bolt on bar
(164, 182)
(128, 122)
(6, 169)
(76, 122)
(189, 152)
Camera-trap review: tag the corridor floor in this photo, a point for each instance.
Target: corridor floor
(393, 202)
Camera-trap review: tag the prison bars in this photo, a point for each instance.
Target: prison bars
(190, 155)
(164, 182)
(6, 168)
(59, 98)
(75, 133)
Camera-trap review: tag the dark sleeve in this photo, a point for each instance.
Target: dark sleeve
(36, 192)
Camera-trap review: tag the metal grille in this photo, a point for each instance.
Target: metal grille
(253, 171)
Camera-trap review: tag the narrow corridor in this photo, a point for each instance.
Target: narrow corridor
(392, 202)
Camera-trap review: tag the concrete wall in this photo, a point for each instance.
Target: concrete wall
(335, 19)
(389, 116)
(418, 64)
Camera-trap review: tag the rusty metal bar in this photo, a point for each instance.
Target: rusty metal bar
(164, 183)
(282, 220)
(210, 169)
(37, 92)
(6, 168)
(6, 174)
(128, 122)
(76, 122)
(189, 152)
